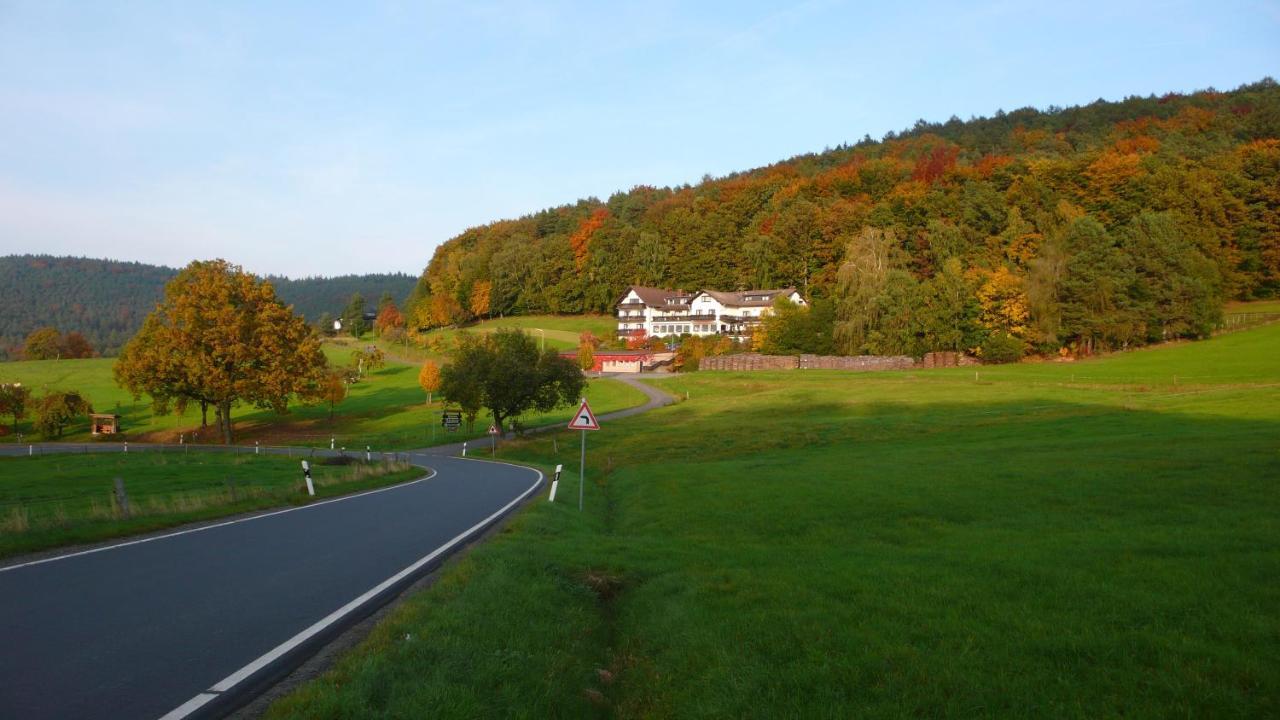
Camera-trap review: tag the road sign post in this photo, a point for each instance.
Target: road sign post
(493, 440)
(583, 420)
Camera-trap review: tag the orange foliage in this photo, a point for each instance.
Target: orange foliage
(937, 162)
(388, 318)
(1113, 169)
(480, 294)
(1137, 144)
(580, 240)
(990, 163)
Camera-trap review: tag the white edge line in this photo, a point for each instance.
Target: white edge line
(308, 506)
(275, 653)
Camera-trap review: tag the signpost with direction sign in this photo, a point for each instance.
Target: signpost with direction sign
(583, 420)
(451, 420)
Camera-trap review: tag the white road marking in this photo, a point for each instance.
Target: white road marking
(280, 650)
(189, 706)
(127, 543)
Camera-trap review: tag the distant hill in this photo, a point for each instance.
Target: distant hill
(106, 300)
(1089, 226)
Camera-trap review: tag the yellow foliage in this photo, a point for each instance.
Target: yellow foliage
(1003, 300)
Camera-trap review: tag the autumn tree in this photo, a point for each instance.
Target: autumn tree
(15, 399)
(389, 318)
(333, 388)
(481, 294)
(220, 337)
(429, 378)
(367, 360)
(74, 345)
(58, 409)
(586, 353)
(507, 374)
(43, 344)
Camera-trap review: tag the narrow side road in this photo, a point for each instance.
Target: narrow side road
(191, 623)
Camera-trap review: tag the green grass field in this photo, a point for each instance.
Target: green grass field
(556, 331)
(1090, 539)
(387, 410)
(52, 500)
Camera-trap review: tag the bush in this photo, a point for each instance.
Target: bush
(1002, 348)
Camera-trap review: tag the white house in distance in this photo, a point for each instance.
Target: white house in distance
(658, 312)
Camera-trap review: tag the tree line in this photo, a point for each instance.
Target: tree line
(1056, 230)
(104, 301)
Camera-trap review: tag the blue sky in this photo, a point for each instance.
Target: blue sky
(325, 138)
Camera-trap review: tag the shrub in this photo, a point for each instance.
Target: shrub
(1002, 348)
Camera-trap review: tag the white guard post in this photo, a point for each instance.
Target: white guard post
(555, 482)
(306, 473)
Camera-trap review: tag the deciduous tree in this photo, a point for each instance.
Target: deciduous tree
(220, 337)
(58, 409)
(74, 345)
(429, 378)
(43, 344)
(15, 399)
(481, 293)
(507, 374)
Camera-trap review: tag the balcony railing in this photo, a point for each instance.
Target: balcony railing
(740, 319)
(633, 305)
(631, 333)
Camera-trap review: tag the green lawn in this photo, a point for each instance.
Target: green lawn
(387, 410)
(556, 331)
(52, 500)
(1090, 539)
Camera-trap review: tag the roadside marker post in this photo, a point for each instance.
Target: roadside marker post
(306, 474)
(583, 420)
(126, 446)
(330, 443)
(555, 482)
(368, 456)
(464, 449)
(256, 449)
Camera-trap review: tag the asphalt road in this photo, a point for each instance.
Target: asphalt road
(195, 621)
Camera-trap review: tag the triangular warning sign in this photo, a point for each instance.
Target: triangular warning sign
(584, 419)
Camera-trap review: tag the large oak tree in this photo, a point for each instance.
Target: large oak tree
(220, 337)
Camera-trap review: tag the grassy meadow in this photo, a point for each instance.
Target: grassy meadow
(1088, 539)
(52, 500)
(386, 410)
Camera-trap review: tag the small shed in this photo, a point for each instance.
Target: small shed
(104, 423)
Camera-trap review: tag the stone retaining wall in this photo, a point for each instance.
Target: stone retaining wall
(855, 363)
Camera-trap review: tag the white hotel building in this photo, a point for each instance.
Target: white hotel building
(655, 312)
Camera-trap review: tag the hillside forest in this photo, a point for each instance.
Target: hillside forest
(103, 302)
(1063, 230)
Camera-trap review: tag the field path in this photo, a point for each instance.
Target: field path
(193, 622)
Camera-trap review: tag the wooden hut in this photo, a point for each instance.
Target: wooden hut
(104, 423)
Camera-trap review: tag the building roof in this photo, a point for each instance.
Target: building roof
(656, 297)
(740, 297)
